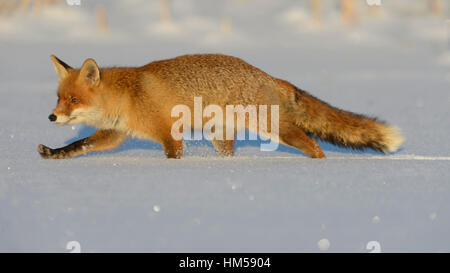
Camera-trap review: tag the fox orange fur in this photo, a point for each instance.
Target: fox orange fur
(137, 102)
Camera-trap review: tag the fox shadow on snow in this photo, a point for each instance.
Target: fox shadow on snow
(134, 143)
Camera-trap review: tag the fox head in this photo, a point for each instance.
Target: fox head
(77, 93)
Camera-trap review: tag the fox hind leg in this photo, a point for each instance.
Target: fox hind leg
(293, 136)
(223, 147)
(172, 148)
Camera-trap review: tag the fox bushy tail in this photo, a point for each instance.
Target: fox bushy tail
(343, 128)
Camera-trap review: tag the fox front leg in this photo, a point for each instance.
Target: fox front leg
(99, 141)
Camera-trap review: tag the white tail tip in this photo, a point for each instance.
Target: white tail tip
(393, 138)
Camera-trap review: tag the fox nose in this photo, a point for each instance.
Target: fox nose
(52, 117)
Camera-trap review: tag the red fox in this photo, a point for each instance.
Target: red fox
(137, 102)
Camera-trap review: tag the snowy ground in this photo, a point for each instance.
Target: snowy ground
(394, 66)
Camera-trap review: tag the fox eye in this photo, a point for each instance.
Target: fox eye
(73, 100)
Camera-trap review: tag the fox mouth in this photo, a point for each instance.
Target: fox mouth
(66, 122)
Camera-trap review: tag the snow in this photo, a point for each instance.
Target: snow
(394, 66)
(323, 244)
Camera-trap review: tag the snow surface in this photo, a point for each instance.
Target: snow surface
(394, 66)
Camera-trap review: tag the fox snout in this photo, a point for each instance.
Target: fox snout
(61, 119)
(52, 117)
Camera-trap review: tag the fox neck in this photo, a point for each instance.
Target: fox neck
(113, 99)
(101, 119)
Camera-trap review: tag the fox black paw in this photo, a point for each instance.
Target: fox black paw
(45, 151)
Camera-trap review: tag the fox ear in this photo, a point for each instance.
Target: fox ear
(61, 68)
(90, 73)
